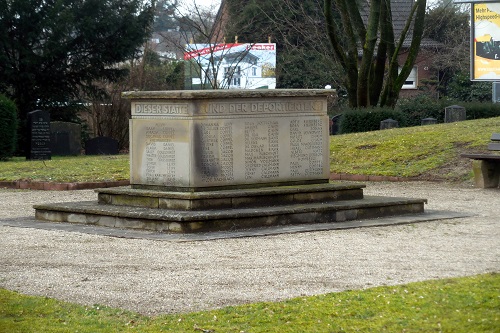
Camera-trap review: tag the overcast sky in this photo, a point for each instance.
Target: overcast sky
(214, 4)
(206, 3)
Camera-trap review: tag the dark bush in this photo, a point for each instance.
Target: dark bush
(363, 120)
(421, 107)
(424, 106)
(461, 88)
(8, 127)
(410, 112)
(477, 110)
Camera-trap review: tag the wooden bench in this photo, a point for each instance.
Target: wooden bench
(487, 166)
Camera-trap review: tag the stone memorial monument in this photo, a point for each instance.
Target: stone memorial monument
(228, 159)
(38, 136)
(193, 141)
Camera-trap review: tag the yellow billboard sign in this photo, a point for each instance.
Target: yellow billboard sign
(486, 42)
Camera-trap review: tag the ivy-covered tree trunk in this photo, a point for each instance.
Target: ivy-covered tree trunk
(397, 80)
(367, 50)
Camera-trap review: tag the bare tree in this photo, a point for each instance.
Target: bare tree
(211, 59)
(109, 114)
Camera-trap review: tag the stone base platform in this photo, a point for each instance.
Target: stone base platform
(182, 212)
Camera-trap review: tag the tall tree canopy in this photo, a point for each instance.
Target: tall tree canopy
(165, 15)
(53, 50)
(361, 49)
(365, 43)
(449, 24)
(303, 58)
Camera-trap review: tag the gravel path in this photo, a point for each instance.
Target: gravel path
(154, 277)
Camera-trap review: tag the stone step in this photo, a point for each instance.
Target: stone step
(171, 220)
(229, 199)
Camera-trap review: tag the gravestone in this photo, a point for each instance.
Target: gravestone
(389, 123)
(38, 136)
(101, 145)
(65, 138)
(454, 113)
(429, 121)
(335, 124)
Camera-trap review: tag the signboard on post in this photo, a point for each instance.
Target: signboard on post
(231, 66)
(485, 41)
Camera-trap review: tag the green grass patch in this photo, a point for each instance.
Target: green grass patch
(470, 304)
(411, 151)
(67, 169)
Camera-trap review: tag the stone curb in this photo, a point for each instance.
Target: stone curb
(427, 216)
(372, 178)
(55, 186)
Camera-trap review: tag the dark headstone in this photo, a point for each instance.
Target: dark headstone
(429, 121)
(334, 124)
(454, 113)
(101, 145)
(38, 136)
(389, 123)
(65, 138)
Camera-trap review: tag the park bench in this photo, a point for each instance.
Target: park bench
(487, 166)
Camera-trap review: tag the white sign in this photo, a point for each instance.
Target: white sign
(231, 66)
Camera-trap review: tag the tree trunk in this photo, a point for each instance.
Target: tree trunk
(395, 80)
(365, 66)
(386, 44)
(369, 79)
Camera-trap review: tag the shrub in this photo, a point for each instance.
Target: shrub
(477, 110)
(461, 88)
(421, 107)
(363, 120)
(8, 127)
(424, 106)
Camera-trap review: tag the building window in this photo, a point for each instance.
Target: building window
(254, 71)
(231, 71)
(411, 80)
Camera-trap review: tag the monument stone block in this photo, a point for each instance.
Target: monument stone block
(194, 140)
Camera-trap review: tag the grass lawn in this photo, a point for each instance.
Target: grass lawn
(67, 169)
(412, 151)
(470, 304)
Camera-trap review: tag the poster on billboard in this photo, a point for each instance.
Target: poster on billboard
(231, 66)
(485, 42)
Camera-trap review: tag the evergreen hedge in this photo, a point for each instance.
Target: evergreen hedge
(8, 127)
(421, 107)
(363, 120)
(410, 112)
(478, 110)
